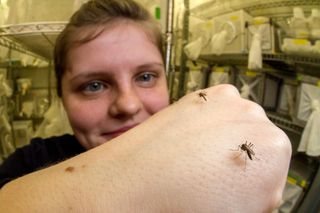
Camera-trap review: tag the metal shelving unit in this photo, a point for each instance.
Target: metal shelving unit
(5, 42)
(288, 64)
(267, 8)
(271, 8)
(299, 59)
(37, 27)
(183, 59)
(38, 38)
(279, 57)
(285, 122)
(30, 39)
(279, 64)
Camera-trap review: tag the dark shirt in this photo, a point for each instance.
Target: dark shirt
(40, 153)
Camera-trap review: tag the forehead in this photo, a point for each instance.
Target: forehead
(122, 31)
(125, 42)
(88, 33)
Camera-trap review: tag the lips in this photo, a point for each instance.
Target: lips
(118, 132)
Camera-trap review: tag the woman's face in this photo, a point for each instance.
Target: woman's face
(113, 83)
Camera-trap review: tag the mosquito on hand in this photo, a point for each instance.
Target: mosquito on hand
(247, 148)
(203, 94)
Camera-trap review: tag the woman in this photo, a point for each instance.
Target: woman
(110, 75)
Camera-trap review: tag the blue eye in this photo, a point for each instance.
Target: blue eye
(145, 77)
(93, 86)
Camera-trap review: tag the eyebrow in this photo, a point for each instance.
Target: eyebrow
(151, 65)
(95, 73)
(98, 73)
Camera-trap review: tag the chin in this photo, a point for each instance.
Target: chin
(94, 144)
(97, 142)
(102, 140)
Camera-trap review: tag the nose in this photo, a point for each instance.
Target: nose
(126, 104)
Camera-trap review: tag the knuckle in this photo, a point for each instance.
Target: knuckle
(283, 142)
(254, 109)
(225, 89)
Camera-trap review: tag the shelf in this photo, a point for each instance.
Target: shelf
(240, 58)
(283, 62)
(5, 42)
(284, 122)
(38, 37)
(278, 8)
(270, 8)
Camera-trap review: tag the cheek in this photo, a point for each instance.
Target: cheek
(83, 116)
(156, 101)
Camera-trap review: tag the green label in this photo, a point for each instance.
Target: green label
(157, 11)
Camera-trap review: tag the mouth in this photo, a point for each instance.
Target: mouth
(117, 132)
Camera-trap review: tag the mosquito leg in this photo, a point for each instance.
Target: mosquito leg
(236, 149)
(245, 162)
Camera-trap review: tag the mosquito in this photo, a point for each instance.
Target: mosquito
(203, 94)
(248, 149)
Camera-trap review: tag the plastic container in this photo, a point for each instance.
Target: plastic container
(314, 24)
(299, 24)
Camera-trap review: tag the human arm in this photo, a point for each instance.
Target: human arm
(179, 160)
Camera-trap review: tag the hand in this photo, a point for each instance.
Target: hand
(179, 160)
(189, 151)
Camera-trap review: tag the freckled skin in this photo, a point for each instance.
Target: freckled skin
(72, 169)
(69, 169)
